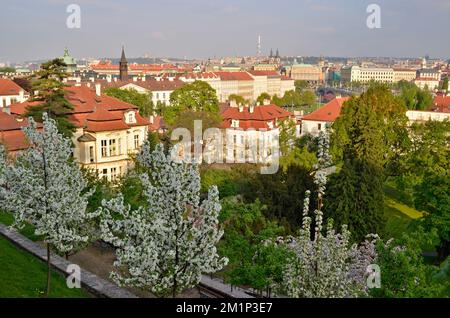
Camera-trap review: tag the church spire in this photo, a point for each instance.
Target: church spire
(123, 66)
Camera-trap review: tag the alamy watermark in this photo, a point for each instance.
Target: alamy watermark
(374, 19)
(73, 280)
(73, 21)
(232, 145)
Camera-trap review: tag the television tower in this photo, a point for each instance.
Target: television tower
(258, 47)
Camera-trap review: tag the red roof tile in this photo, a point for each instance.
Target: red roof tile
(442, 103)
(258, 119)
(328, 112)
(234, 76)
(8, 87)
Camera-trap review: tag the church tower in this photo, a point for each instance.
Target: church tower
(123, 66)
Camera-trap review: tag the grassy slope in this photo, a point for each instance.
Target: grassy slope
(398, 216)
(23, 275)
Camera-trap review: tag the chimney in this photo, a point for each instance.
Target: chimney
(134, 78)
(98, 89)
(152, 119)
(108, 78)
(241, 108)
(266, 102)
(92, 79)
(143, 78)
(171, 79)
(233, 103)
(88, 84)
(251, 109)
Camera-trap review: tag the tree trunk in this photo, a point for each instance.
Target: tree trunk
(174, 287)
(49, 273)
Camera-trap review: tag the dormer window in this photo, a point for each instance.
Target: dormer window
(235, 123)
(130, 118)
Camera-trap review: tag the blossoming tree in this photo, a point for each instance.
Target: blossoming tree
(47, 189)
(325, 264)
(167, 245)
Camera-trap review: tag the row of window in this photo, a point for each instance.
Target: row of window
(113, 147)
(111, 173)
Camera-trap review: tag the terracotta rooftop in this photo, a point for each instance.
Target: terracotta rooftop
(9, 87)
(258, 119)
(234, 76)
(329, 112)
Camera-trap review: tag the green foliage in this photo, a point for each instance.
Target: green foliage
(403, 271)
(413, 97)
(261, 98)
(433, 197)
(7, 69)
(198, 96)
(295, 98)
(230, 182)
(445, 85)
(371, 127)
(132, 96)
(299, 152)
(300, 85)
(251, 263)
(238, 99)
(186, 120)
(50, 90)
(354, 197)
(283, 193)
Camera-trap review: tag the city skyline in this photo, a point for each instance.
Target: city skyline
(230, 28)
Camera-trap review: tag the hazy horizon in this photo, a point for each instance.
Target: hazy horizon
(36, 30)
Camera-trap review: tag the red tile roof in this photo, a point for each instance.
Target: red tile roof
(234, 76)
(265, 73)
(442, 103)
(96, 113)
(11, 134)
(329, 112)
(258, 119)
(8, 87)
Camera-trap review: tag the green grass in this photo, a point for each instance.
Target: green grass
(27, 231)
(398, 216)
(24, 275)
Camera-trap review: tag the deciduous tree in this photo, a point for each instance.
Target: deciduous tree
(47, 189)
(168, 244)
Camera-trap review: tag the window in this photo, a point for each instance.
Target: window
(136, 141)
(91, 154)
(112, 147)
(130, 118)
(105, 173)
(113, 174)
(319, 126)
(104, 148)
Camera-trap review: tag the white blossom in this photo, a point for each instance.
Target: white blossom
(326, 265)
(168, 244)
(47, 189)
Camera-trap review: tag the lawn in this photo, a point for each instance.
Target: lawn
(27, 231)
(398, 216)
(24, 275)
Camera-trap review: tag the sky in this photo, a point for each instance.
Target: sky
(36, 29)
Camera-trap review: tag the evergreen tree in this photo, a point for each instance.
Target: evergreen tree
(355, 197)
(50, 94)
